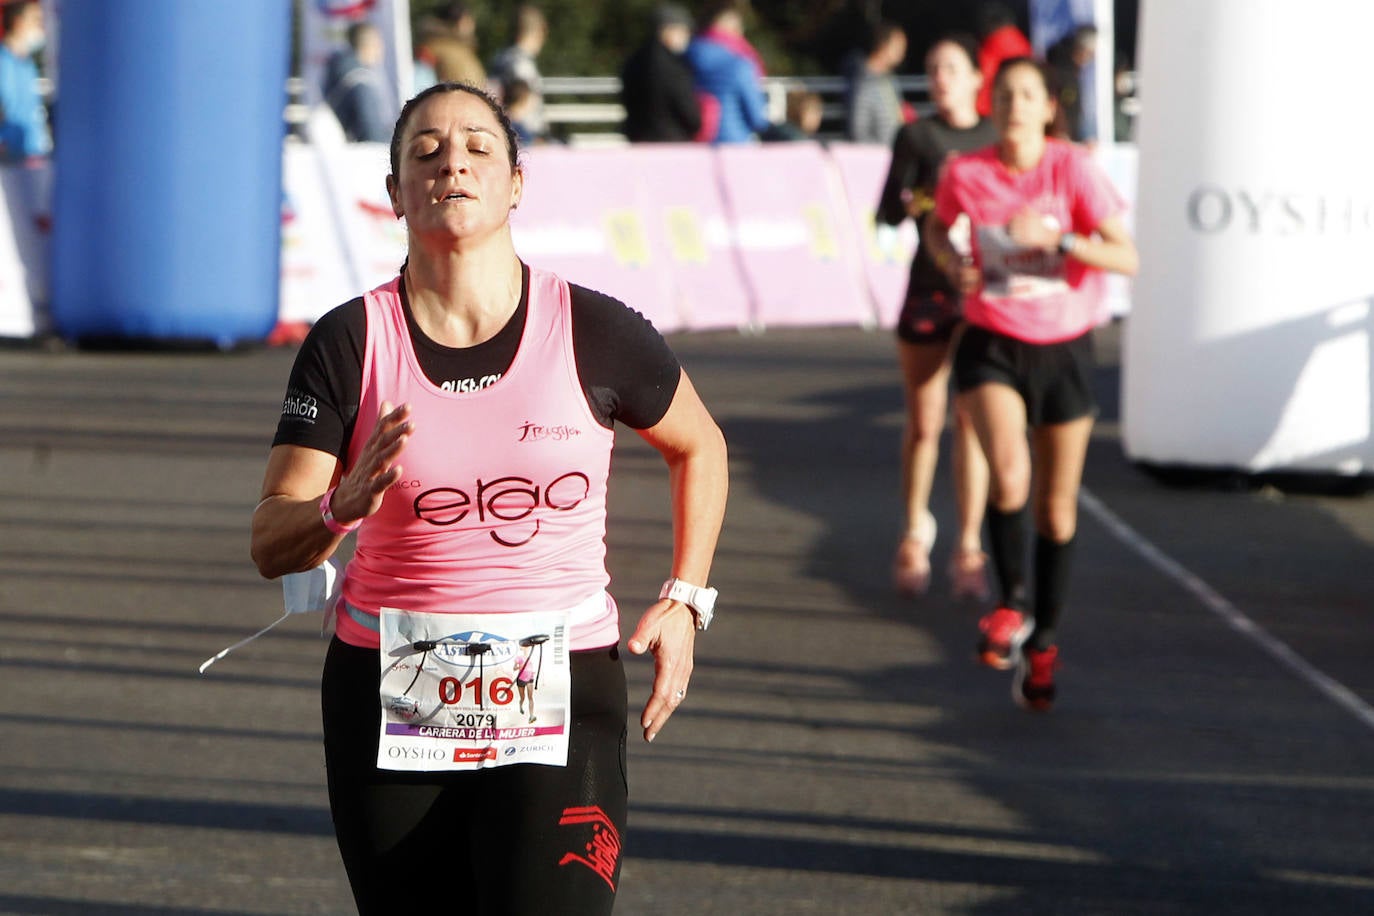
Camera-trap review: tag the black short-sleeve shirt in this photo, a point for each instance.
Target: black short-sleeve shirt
(919, 151)
(628, 372)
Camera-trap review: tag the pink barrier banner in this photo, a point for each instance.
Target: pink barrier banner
(583, 216)
(693, 237)
(796, 247)
(689, 232)
(886, 250)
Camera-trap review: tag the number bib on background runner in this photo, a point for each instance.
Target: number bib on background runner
(1010, 270)
(451, 694)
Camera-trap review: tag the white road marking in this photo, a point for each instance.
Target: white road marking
(1334, 690)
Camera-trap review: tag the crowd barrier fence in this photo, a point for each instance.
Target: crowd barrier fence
(694, 237)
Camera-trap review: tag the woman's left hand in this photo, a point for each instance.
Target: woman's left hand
(1032, 229)
(668, 629)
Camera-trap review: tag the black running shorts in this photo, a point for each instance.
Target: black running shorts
(1055, 380)
(512, 840)
(929, 317)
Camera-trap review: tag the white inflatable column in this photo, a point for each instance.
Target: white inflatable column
(1248, 342)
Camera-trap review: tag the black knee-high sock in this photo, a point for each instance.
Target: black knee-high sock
(1007, 542)
(1052, 562)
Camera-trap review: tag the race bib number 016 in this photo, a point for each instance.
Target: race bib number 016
(467, 691)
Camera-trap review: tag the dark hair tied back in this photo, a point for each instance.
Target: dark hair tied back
(512, 143)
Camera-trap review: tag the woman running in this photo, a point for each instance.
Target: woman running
(929, 325)
(460, 418)
(524, 679)
(1047, 224)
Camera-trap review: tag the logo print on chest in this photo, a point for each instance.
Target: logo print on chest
(513, 502)
(533, 432)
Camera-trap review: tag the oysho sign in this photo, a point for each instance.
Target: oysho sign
(1248, 342)
(1214, 209)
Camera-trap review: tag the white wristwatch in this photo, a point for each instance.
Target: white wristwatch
(702, 601)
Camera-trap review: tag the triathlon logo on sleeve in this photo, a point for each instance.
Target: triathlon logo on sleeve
(300, 406)
(602, 849)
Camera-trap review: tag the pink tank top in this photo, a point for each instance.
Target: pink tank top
(501, 505)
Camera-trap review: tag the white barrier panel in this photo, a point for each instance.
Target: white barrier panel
(1248, 344)
(1121, 162)
(316, 273)
(24, 224)
(16, 308)
(374, 240)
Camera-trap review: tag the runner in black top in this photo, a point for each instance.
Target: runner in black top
(512, 838)
(927, 328)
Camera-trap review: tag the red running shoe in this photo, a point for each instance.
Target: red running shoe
(1033, 686)
(1004, 630)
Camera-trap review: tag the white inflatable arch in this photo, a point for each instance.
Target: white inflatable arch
(1248, 343)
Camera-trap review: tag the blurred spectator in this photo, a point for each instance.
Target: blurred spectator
(518, 102)
(874, 102)
(1000, 40)
(517, 62)
(353, 86)
(422, 74)
(1071, 62)
(728, 69)
(804, 112)
(656, 83)
(23, 121)
(1126, 105)
(448, 45)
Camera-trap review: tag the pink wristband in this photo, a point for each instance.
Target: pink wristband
(327, 514)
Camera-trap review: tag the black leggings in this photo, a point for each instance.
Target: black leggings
(512, 840)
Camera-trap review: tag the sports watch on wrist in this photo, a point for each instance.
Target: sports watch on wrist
(1067, 242)
(702, 601)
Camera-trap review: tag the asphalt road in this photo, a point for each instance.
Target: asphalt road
(1212, 750)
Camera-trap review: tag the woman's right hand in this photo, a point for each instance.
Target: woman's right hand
(359, 492)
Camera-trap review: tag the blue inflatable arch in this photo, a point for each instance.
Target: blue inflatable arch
(167, 172)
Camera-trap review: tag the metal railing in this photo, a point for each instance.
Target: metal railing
(586, 110)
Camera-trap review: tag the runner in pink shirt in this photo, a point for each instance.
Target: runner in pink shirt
(460, 417)
(1046, 224)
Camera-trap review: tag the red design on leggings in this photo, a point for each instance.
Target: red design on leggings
(603, 852)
